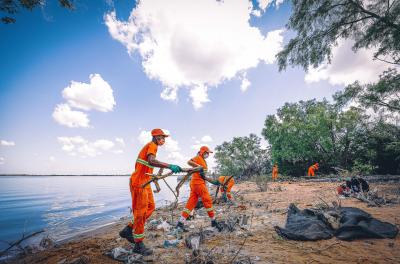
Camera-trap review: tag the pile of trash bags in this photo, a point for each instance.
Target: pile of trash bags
(345, 223)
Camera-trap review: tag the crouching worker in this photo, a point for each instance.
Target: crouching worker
(312, 169)
(142, 198)
(198, 189)
(226, 192)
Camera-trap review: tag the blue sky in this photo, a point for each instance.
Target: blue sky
(48, 48)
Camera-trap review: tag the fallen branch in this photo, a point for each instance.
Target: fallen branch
(18, 242)
(241, 247)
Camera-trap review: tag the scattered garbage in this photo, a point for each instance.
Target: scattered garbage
(124, 255)
(154, 223)
(164, 226)
(346, 223)
(171, 243)
(119, 253)
(193, 240)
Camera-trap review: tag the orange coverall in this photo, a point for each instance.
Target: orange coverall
(142, 198)
(275, 172)
(312, 169)
(229, 185)
(198, 189)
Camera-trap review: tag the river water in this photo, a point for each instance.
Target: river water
(65, 206)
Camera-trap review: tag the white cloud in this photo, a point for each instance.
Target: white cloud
(64, 115)
(79, 145)
(52, 159)
(206, 138)
(144, 137)
(120, 141)
(96, 95)
(6, 143)
(103, 144)
(245, 84)
(347, 67)
(199, 96)
(194, 44)
(264, 4)
(118, 151)
(2, 160)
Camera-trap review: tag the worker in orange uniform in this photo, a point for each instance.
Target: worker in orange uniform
(312, 169)
(226, 192)
(198, 189)
(275, 172)
(142, 198)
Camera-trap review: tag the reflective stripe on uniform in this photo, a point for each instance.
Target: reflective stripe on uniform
(210, 209)
(133, 221)
(143, 162)
(138, 236)
(187, 211)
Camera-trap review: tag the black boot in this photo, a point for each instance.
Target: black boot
(127, 234)
(217, 225)
(181, 226)
(141, 249)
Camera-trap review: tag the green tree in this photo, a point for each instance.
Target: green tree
(242, 157)
(383, 95)
(319, 24)
(12, 7)
(380, 148)
(306, 132)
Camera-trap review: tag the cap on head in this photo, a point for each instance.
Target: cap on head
(205, 149)
(158, 132)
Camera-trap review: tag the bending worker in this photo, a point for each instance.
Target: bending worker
(142, 198)
(312, 169)
(226, 192)
(275, 172)
(198, 189)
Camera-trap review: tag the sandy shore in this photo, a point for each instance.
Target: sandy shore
(260, 243)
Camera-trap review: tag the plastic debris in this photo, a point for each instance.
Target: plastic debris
(171, 243)
(164, 226)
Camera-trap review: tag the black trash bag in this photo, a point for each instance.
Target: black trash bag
(310, 225)
(304, 225)
(357, 224)
(358, 184)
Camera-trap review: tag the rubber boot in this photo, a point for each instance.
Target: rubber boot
(181, 226)
(217, 225)
(127, 234)
(141, 249)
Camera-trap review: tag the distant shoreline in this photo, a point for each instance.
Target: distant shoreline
(56, 175)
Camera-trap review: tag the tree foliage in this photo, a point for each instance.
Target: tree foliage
(306, 132)
(319, 24)
(242, 157)
(383, 95)
(12, 7)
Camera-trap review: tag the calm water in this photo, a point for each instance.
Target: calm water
(66, 205)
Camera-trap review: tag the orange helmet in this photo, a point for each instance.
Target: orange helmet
(158, 132)
(205, 149)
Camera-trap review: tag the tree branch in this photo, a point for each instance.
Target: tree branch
(380, 18)
(390, 62)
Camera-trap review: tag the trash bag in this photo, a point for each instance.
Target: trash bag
(354, 223)
(357, 185)
(304, 225)
(357, 224)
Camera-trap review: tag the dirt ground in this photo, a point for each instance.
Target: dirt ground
(260, 244)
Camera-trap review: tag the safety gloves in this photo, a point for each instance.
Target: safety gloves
(174, 168)
(215, 182)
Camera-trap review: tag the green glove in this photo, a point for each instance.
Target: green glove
(215, 182)
(174, 168)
